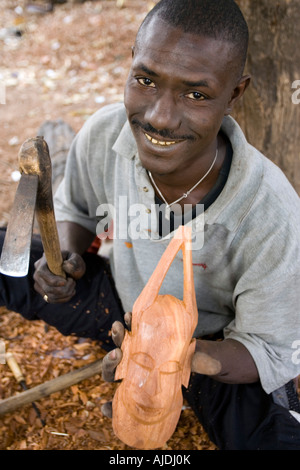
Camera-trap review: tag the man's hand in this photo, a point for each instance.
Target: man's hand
(202, 363)
(227, 361)
(113, 358)
(56, 288)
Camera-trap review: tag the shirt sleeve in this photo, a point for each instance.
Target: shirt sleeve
(75, 200)
(267, 302)
(83, 187)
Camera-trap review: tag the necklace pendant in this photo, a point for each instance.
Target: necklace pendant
(185, 195)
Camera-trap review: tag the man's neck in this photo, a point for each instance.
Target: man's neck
(174, 185)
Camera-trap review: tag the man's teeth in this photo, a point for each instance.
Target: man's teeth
(160, 142)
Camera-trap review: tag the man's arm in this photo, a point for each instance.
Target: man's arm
(74, 241)
(226, 361)
(74, 238)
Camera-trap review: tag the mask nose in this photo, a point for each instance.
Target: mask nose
(152, 385)
(163, 114)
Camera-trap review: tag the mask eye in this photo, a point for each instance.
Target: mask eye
(143, 360)
(170, 367)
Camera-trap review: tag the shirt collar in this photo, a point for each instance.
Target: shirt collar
(243, 181)
(125, 145)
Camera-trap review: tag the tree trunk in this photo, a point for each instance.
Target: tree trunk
(269, 112)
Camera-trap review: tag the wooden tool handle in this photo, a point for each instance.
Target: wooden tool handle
(14, 367)
(34, 158)
(47, 388)
(50, 240)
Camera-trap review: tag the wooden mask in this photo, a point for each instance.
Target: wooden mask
(157, 355)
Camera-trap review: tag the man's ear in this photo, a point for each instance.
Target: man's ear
(238, 92)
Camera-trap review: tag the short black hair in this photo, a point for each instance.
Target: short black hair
(217, 19)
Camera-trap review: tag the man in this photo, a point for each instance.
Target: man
(174, 146)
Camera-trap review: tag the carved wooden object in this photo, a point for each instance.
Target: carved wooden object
(157, 355)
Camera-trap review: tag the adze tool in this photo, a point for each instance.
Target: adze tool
(33, 196)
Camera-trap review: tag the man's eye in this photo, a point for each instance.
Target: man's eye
(145, 82)
(196, 95)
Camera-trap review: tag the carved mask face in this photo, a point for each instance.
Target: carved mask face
(156, 360)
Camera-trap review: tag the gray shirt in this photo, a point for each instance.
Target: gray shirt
(246, 245)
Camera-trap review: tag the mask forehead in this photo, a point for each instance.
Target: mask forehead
(160, 332)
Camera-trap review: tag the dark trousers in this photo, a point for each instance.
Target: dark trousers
(244, 417)
(236, 417)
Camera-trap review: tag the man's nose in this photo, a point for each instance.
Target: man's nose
(162, 113)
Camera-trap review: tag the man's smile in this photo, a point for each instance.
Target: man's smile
(162, 143)
(162, 137)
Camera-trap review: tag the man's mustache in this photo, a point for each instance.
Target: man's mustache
(164, 133)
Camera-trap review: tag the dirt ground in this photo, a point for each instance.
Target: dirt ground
(63, 64)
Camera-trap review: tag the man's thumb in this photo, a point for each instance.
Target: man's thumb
(74, 266)
(202, 363)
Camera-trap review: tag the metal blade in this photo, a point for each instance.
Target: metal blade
(16, 248)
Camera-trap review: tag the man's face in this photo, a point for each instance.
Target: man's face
(179, 88)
